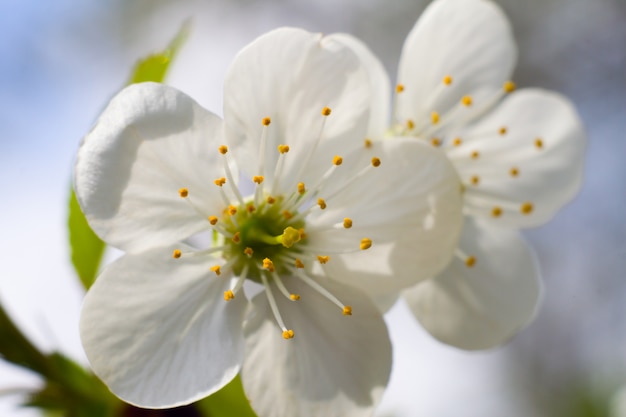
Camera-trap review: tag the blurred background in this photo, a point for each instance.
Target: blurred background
(61, 60)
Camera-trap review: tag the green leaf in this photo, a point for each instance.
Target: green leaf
(86, 247)
(155, 66)
(229, 401)
(17, 349)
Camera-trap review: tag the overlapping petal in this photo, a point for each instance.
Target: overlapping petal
(410, 207)
(150, 141)
(528, 163)
(335, 365)
(157, 331)
(290, 75)
(485, 305)
(471, 42)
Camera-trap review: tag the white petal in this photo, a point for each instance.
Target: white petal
(469, 40)
(547, 176)
(158, 332)
(485, 305)
(335, 366)
(410, 207)
(150, 141)
(380, 105)
(290, 75)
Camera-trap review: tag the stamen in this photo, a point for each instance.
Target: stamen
(287, 333)
(326, 111)
(347, 223)
(337, 160)
(502, 131)
(514, 172)
(183, 192)
(266, 121)
(410, 124)
(475, 154)
(220, 181)
(176, 254)
(436, 142)
(526, 208)
(375, 162)
(457, 141)
(321, 203)
(223, 149)
(496, 211)
(447, 80)
(347, 311)
(323, 259)
(469, 261)
(268, 264)
(270, 200)
(228, 295)
(475, 180)
(466, 101)
(321, 290)
(399, 88)
(367, 143)
(294, 297)
(434, 117)
(509, 87)
(248, 252)
(213, 220)
(298, 263)
(236, 237)
(539, 143)
(217, 269)
(365, 243)
(283, 149)
(258, 179)
(301, 188)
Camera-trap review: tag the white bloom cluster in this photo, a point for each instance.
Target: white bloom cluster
(349, 209)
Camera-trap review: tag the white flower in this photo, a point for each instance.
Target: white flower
(519, 155)
(333, 221)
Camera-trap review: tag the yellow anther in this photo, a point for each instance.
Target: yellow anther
(294, 297)
(475, 154)
(337, 160)
(266, 121)
(496, 211)
(302, 233)
(375, 162)
(526, 208)
(287, 214)
(436, 142)
(299, 263)
(270, 200)
(177, 254)
(323, 259)
(248, 252)
(223, 149)
(466, 101)
(475, 180)
(539, 143)
(367, 143)
(183, 192)
(250, 208)
(301, 188)
(232, 210)
(326, 111)
(502, 131)
(399, 88)
(290, 237)
(228, 295)
(217, 269)
(509, 87)
(258, 179)
(213, 220)
(470, 261)
(347, 223)
(236, 237)
(321, 203)
(347, 311)
(365, 243)
(447, 80)
(268, 264)
(283, 148)
(410, 124)
(220, 181)
(514, 172)
(434, 117)
(288, 334)
(457, 141)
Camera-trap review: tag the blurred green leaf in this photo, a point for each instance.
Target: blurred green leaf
(229, 401)
(17, 349)
(86, 247)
